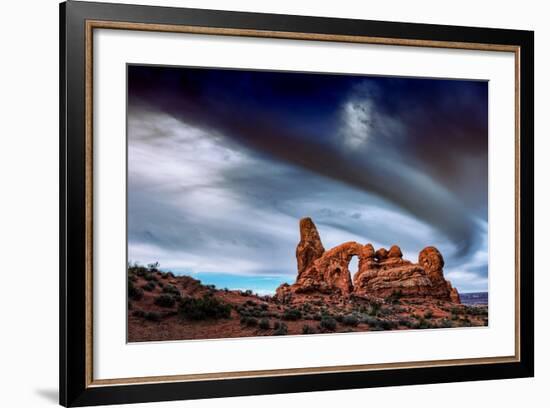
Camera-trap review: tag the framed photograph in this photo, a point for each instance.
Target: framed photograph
(256, 204)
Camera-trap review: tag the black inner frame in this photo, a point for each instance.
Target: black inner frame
(73, 391)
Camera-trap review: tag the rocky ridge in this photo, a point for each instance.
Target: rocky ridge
(381, 273)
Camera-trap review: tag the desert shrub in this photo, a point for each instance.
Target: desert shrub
(149, 277)
(422, 324)
(140, 270)
(339, 318)
(264, 306)
(281, 329)
(207, 307)
(317, 316)
(387, 324)
(328, 323)
(445, 324)
(404, 322)
(307, 329)
(350, 320)
(395, 297)
(456, 310)
(153, 267)
(138, 313)
(371, 321)
(256, 312)
(428, 314)
(250, 303)
(292, 314)
(165, 300)
(385, 311)
(251, 321)
(306, 307)
(454, 316)
(134, 292)
(276, 325)
(149, 286)
(264, 324)
(170, 289)
(374, 308)
(152, 316)
(476, 311)
(247, 292)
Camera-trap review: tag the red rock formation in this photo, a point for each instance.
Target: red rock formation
(455, 297)
(330, 272)
(381, 254)
(381, 273)
(395, 252)
(310, 247)
(389, 274)
(432, 262)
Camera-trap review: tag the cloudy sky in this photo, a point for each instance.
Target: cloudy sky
(222, 164)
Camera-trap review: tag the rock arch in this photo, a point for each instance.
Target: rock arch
(330, 272)
(381, 273)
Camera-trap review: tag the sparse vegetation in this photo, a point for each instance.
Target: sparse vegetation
(152, 316)
(445, 324)
(374, 308)
(170, 289)
(134, 292)
(165, 300)
(292, 314)
(264, 324)
(149, 286)
(328, 323)
(149, 277)
(395, 297)
(422, 324)
(298, 313)
(350, 320)
(281, 329)
(207, 307)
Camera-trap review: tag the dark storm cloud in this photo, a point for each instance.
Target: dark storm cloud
(384, 160)
(440, 131)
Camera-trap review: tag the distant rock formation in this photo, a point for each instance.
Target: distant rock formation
(381, 273)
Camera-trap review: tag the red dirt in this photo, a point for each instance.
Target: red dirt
(150, 322)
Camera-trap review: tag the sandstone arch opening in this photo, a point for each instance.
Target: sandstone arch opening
(353, 266)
